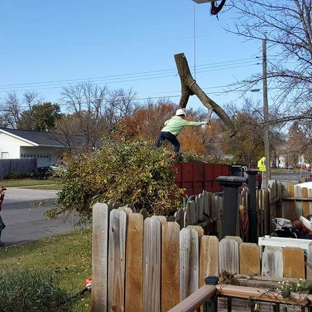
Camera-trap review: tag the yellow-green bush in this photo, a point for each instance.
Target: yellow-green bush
(132, 172)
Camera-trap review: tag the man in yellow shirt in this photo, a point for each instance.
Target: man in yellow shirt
(173, 127)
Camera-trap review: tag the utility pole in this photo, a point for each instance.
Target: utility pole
(266, 112)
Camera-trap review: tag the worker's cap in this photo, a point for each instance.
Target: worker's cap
(180, 112)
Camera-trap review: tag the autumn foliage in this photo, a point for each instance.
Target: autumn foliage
(147, 122)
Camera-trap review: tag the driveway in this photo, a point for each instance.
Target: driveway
(25, 220)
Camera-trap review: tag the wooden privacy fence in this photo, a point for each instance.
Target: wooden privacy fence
(17, 166)
(152, 265)
(281, 201)
(204, 210)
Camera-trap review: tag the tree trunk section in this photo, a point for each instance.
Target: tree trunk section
(190, 87)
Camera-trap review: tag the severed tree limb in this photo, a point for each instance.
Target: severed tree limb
(190, 87)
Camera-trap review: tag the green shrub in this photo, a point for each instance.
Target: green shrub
(133, 172)
(32, 291)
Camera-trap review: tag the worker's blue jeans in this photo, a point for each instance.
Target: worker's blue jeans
(171, 138)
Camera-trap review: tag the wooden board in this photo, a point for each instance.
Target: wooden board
(209, 258)
(293, 262)
(262, 295)
(179, 217)
(134, 263)
(100, 217)
(229, 255)
(309, 263)
(305, 204)
(291, 204)
(198, 229)
(151, 265)
(117, 260)
(249, 255)
(189, 262)
(272, 262)
(170, 281)
(298, 204)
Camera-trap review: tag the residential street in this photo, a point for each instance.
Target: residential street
(25, 220)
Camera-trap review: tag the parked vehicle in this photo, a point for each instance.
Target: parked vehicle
(56, 168)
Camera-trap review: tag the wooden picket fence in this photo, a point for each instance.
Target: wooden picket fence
(151, 264)
(282, 201)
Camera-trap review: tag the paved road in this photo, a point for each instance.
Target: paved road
(290, 176)
(25, 220)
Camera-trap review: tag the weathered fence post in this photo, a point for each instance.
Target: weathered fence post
(99, 257)
(230, 203)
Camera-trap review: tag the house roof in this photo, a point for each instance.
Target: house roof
(47, 139)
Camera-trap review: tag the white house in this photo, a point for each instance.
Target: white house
(46, 147)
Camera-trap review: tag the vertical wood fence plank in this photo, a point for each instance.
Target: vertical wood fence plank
(189, 262)
(151, 265)
(309, 263)
(198, 229)
(217, 211)
(272, 262)
(209, 258)
(229, 255)
(292, 206)
(117, 260)
(162, 219)
(272, 206)
(310, 200)
(179, 217)
(187, 217)
(207, 203)
(285, 205)
(294, 265)
(305, 204)
(170, 281)
(279, 194)
(100, 217)
(199, 201)
(298, 204)
(134, 263)
(144, 213)
(192, 209)
(249, 259)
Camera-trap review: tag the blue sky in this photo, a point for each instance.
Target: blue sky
(122, 44)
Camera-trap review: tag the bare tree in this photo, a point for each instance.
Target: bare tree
(85, 96)
(286, 26)
(13, 107)
(96, 111)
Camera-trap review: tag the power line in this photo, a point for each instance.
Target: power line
(54, 84)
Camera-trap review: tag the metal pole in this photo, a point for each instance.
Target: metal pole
(266, 111)
(252, 211)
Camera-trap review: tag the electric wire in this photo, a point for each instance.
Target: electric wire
(128, 77)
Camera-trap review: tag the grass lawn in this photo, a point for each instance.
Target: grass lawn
(49, 184)
(68, 255)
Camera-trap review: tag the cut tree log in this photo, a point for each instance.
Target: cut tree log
(190, 87)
